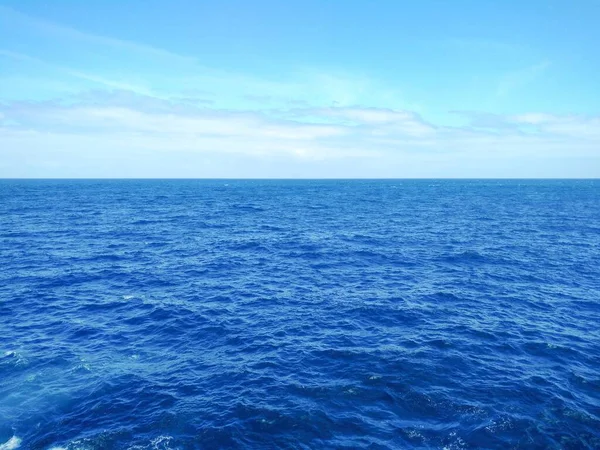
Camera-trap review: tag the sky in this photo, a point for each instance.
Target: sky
(300, 89)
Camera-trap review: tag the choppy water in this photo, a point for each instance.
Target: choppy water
(299, 314)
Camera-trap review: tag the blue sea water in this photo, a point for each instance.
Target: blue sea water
(299, 314)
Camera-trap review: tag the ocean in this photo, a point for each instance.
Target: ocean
(308, 314)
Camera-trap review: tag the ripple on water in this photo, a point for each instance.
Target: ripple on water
(299, 314)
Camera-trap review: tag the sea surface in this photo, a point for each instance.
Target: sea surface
(147, 314)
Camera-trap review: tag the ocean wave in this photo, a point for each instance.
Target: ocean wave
(13, 443)
(299, 315)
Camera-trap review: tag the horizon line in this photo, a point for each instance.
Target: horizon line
(295, 178)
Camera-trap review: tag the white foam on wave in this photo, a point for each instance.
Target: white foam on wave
(12, 443)
(74, 445)
(162, 442)
(159, 443)
(18, 358)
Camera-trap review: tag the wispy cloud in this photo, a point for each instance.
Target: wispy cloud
(181, 118)
(552, 126)
(478, 44)
(517, 79)
(166, 74)
(59, 30)
(181, 72)
(75, 73)
(478, 119)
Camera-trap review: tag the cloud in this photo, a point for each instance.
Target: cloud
(517, 79)
(61, 31)
(473, 44)
(75, 73)
(92, 133)
(102, 61)
(575, 127)
(477, 120)
(170, 116)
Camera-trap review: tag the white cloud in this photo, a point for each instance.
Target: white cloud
(574, 126)
(180, 118)
(152, 136)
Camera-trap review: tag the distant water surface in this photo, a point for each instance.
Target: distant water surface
(299, 314)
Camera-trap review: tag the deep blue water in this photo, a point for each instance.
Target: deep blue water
(299, 314)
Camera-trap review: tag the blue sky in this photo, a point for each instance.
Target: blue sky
(299, 88)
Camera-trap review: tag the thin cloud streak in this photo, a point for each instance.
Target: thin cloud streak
(75, 73)
(515, 80)
(75, 34)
